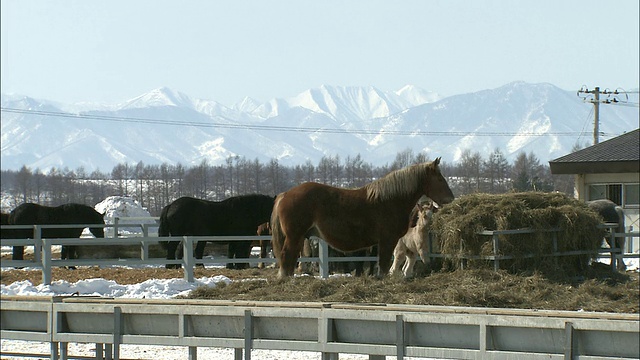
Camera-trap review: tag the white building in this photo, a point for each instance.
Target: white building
(608, 170)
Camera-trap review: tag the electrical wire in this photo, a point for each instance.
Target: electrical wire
(273, 127)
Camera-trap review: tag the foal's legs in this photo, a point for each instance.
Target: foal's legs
(408, 266)
(399, 254)
(424, 255)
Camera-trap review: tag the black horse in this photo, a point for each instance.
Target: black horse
(14, 234)
(235, 216)
(34, 214)
(611, 213)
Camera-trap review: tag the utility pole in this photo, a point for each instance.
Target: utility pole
(593, 96)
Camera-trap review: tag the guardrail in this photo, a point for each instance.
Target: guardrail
(377, 330)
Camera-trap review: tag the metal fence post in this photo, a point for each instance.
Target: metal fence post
(554, 237)
(323, 255)
(144, 246)
(568, 341)
(116, 221)
(117, 331)
(613, 249)
(400, 340)
(144, 250)
(496, 250)
(248, 334)
(46, 261)
(326, 334)
(187, 258)
(37, 243)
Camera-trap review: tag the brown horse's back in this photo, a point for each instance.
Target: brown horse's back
(328, 210)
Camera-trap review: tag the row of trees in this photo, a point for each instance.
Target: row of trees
(155, 186)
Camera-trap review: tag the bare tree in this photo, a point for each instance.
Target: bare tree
(179, 176)
(23, 182)
(403, 159)
(471, 170)
(257, 174)
(496, 170)
(273, 176)
(137, 176)
(336, 171)
(39, 180)
(309, 171)
(120, 174)
(298, 174)
(165, 179)
(421, 157)
(323, 170)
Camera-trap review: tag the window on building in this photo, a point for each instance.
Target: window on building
(631, 195)
(614, 193)
(627, 195)
(597, 192)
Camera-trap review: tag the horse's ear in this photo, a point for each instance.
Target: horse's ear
(436, 161)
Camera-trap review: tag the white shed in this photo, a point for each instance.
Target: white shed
(608, 170)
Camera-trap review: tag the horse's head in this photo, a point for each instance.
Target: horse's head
(425, 214)
(98, 231)
(437, 188)
(264, 229)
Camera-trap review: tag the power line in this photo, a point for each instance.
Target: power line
(618, 97)
(273, 127)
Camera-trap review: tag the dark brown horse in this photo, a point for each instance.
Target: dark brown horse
(354, 219)
(34, 214)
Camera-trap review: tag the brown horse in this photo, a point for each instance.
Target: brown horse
(354, 219)
(263, 229)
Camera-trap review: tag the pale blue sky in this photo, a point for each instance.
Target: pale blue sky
(111, 51)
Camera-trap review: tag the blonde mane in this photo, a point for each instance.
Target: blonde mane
(400, 182)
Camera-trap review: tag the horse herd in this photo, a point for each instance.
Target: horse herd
(384, 214)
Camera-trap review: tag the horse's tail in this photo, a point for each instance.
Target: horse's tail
(163, 228)
(277, 236)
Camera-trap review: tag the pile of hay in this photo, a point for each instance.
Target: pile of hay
(457, 225)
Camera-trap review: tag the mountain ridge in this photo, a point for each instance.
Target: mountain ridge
(164, 125)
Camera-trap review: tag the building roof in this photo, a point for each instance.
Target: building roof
(618, 155)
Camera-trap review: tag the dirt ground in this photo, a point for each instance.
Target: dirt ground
(598, 290)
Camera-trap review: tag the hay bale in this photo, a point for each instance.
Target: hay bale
(457, 226)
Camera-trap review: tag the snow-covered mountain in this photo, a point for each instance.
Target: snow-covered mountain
(168, 126)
